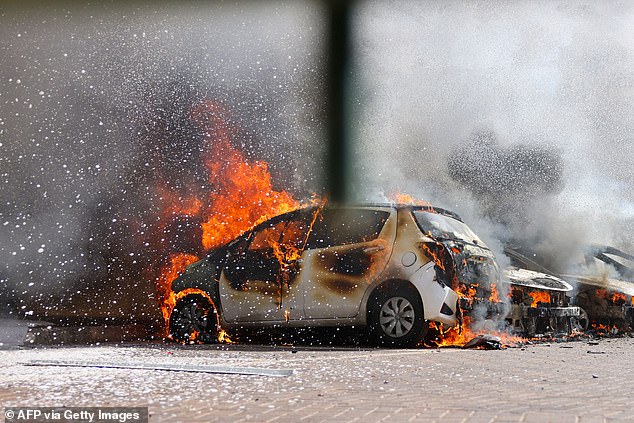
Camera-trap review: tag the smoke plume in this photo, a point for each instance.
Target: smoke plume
(517, 115)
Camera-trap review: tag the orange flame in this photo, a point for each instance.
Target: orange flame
(435, 258)
(193, 337)
(494, 297)
(467, 291)
(243, 194)
(403, 198)
(618, 298)
(460, 336)
(169, 272)
(174, 204)
(602, 329)
(539, 297)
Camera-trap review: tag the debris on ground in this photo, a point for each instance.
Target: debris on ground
(485, 342)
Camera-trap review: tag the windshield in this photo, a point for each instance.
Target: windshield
(441, 226)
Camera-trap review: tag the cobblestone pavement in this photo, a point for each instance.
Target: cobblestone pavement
(559, 382)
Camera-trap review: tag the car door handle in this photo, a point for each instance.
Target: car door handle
(374, 249)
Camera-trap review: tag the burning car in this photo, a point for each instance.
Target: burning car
(540, 304)
(382, 267)
(604, 285)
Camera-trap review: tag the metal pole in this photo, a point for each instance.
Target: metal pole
(338, 55)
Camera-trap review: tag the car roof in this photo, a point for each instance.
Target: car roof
(399, 206)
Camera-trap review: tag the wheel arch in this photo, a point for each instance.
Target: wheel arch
(203, 281)
(388, 285)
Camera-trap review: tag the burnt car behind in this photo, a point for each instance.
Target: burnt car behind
(603, 280)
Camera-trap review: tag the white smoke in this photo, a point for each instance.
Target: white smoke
(552, 76)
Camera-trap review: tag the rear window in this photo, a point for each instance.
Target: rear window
(346, 226)
(441, 226)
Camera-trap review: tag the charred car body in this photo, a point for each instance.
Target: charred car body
(389, 268)
(540, 304)
(604, 285)
(521, 301)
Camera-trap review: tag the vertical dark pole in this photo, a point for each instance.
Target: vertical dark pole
(337, 57)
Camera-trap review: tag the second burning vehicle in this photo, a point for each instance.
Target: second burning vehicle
(389, 268)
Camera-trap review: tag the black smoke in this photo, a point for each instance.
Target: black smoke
(493, 172)
(515, 187)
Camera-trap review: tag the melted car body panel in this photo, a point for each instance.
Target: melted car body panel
(435, 295)
(257, 283)
(410, 262)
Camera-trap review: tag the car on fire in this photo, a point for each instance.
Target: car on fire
(391, 269)
(604, 285)
(381, 267)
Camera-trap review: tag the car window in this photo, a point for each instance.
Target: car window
(265, 237)
(442, 226)
(346, 226)
(295, 233)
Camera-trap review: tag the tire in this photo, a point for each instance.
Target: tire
(194, 320)
(396, 318)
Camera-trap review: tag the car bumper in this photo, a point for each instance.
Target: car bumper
(440, 303)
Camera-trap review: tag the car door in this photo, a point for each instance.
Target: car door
(257, 283)
(347, 250)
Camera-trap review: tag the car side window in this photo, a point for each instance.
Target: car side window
(295, 233)
(346, 226)
(266, 237)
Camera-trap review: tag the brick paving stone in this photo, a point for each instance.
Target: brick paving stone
(454, 415)
(552, 417)
(507, 418)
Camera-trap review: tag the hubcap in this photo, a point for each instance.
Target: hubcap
(397, 317)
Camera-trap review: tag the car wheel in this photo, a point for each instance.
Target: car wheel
(194, 320)
(396, 319)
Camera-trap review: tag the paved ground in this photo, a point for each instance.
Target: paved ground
(558, 382)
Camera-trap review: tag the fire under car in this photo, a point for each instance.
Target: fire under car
(391, 269)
